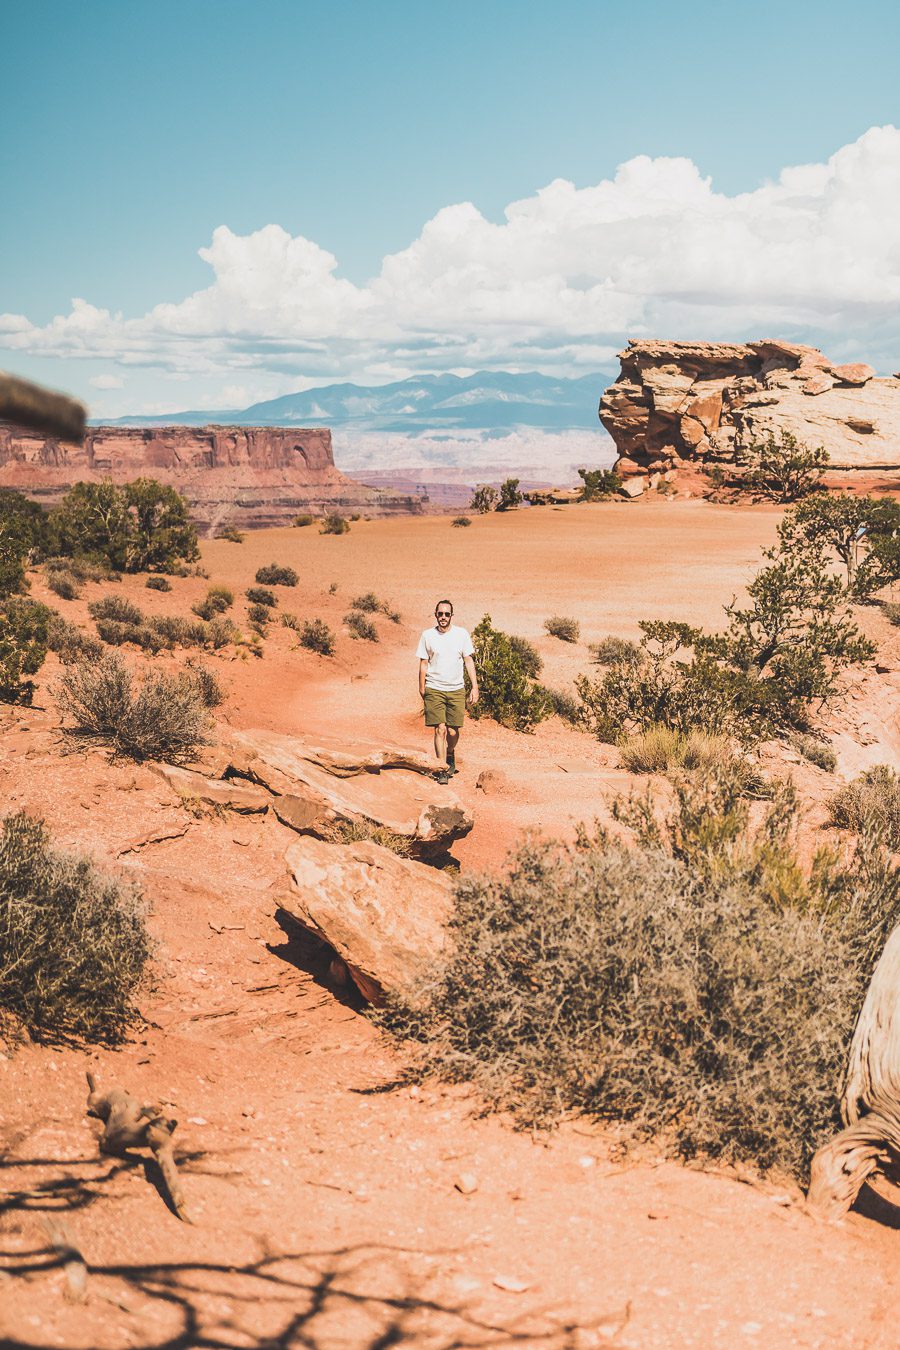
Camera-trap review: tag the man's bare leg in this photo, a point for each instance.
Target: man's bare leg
(440, 743)
(452, 738)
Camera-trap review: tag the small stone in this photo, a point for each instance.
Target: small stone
(197, 1120)
(586, 1161)
(510, 1284)
(466, 1183)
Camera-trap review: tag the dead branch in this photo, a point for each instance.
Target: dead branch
(128, 1124)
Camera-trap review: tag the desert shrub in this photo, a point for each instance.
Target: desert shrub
(562, 704)
(116, 607)
(216, 601)
(24, 639)
(698, 987)
(816, 751)
(861, 532)
(158, 583)
(335, 524)
(23, 536)
(165, 717)
(390, 613)
(291, 621)
(598, 483)
(661, 748)
(232, 534)
(259, 595)
(70, 642)
(303, 519)
(83, 569)
(871, 803)
(785, 469)
(73, 942)
(367, 604)
(115, 634)
(528, 654)
(356, 831)
(274, 575)
(567, 630)
(506, 693)
(176, 631)
(208, 684)
(137, 527)
(891, 612)
(510, 496)
(616, 651)
(317, 636)
(258, 617)
(460, 522)
(484, 499)
(63, 584)
(360, 626)
(333, 588)
(220, 633)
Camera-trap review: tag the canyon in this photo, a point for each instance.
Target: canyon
(242, 477)
(677, 406)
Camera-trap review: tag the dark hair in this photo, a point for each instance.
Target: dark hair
(444, 602)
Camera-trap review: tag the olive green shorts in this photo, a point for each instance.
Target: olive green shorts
(445, 707)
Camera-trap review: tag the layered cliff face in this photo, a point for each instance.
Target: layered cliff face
(677, 403)
(243, 476)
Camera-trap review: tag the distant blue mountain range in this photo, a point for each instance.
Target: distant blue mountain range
(496, 402)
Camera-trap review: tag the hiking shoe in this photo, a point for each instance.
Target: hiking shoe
(443, 776)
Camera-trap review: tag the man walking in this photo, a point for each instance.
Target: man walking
(443, 652)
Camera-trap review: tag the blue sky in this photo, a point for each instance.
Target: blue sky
(133, 131)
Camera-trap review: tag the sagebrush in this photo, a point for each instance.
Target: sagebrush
(162, 717)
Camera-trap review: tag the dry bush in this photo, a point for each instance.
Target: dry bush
(116, 607)
(367, 604)
(354, 831)
(461, 522)
(73, 942)
(316, 636)
(63, 584)
(232, 534)
(616, 651)
(70, 642)
(558, 626)
(165, 717)
(871, 803)
(158, 583)
(335, 524)
(208, 684)
(817, 752)
(274, 575)
(215, 602)
(360, 626)
(891, 612)
(83, 569)
(140, 634)
(258, 617)
(698, 986)
(259, 595)
(660, 748)
(177, 631)
(303, 519)
(291, 621)
(562, 703)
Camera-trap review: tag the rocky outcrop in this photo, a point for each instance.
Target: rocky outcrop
(386, 917)
(316, 788)
(677, 403)
(240, 476)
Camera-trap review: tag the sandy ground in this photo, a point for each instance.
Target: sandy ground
(326, 1198)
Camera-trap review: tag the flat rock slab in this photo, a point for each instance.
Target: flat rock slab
(383, 785)
(387, 917)
(228, 794)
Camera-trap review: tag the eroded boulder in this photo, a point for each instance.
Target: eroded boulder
(387, 917)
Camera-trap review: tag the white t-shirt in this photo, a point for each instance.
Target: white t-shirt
(444, 653)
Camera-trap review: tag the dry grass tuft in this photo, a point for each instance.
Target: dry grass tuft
(871, 803)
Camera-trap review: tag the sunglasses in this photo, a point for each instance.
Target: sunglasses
(445, 613)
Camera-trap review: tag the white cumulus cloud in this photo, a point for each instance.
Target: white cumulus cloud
(106, 382)
(558, 285)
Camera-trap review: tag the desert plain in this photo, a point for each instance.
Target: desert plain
(333, 1204)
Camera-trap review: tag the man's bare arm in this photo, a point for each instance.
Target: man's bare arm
(470, 667)
(423, 670)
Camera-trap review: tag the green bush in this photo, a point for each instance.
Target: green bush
(461, 522)
(216, 601)
(24, 638)
(506, 693)
(870, 804)
(783, 470)
(861, 533)
(165, 717)
(274, 575)
(616, 651)
(317, 636)
(567, 630)
(259, 595)
(303, 520)
(335, 524)
(562, 704)
(818, 752)
(510, 496)
(23, 535)
(158, 583)
(116, 607)
(73, 942)
(137, 527)
(597, 484)
(529, 656)
(70, 642)
(360, 626)
(698, 987)
(484, 499)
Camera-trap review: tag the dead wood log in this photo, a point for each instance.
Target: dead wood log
(870, 1105)
(128, 1124)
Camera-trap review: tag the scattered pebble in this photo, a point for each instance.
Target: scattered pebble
(197, 1120)
(466, 1183)
(510, 1284)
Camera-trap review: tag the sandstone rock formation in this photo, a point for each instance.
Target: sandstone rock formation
(386, 917)
(315, 787)
(677, 403)
(240, 476)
